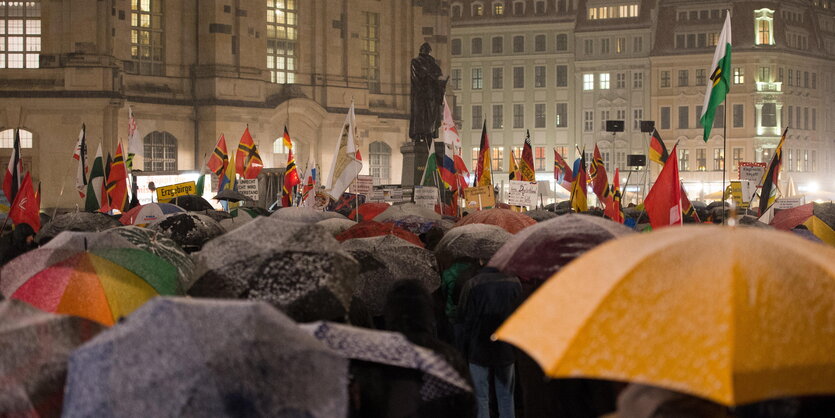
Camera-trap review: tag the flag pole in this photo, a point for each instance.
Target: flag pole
(724, 155)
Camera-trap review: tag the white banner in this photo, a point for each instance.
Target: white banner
(522, 193)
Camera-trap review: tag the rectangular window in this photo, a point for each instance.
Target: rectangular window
(764, 74)
(806, 79)
(478, 117)
(739, 115)
(498, 158)
(769, 115)
(588, 81)
(738, 156)
(539, 76)
(498, 116)
(701, 80)
(665, 117)
(562, 42)
(684, 160)
(604, 46)
(539, 43)
(454, 46)
(620, 80)
(718, 159)
(683, 78)
(588, 121)
(455, 79)
(456, 115)
(683, 117)
(620, 45)
(498, 78)
(814, 119)
(588, 46)
(790, 116)
(604, 117)
(665, 79)
(475, 46)
(518, 116)
(719, 117)
(475, 158)
(637, 117)
(790, 79)
(539, 115)
(638, 80)
(147, 32)
(699, 109)
(806, 118)
(539, 158)
(477, 81)
(562, 115)
(701, 159)
(562, 76)
(739, 75)
(637, 44)
(518, 77)
(370, 50)
(497, 44)
(604, 81)
(518, 44)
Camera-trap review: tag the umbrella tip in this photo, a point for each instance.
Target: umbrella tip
(85, 243)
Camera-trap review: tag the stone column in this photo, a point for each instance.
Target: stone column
(414, 162)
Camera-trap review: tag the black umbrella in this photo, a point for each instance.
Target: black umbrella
(540, 215)
(192, 202)
(299, 268)
(217, 215)
(189, 230)
(204, 358)
(33, 364)
(76, 221)
(232, 196)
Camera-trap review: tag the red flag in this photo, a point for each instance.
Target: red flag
(460, 169)
(12, 181)
(599, 179)
(687, 208)
(117, 181)
(247, 161)
(291, 173)
(26, 206)
(526, 170)
(663, 202)
(562, 172)
(614, 209)
(220, 157)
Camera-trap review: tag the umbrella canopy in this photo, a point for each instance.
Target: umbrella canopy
(406, 209)
(744, 318)
(305, 215)
(239, 217)
(420, 225)
(393, 349)
(786, 219)
(76, 221)
(473, 241)
(101, 284)
(148, 213)
(299, 268)
(509, 220)
(189, 230)
(367, 229)
(543, 249)
(818, 218)
(232, 196)
(336, 226)
(169, 359)
(192, 202)
(36, 346)
(367, 211)
(540, 215)
(386, 259)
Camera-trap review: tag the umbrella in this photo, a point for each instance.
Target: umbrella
(420, 225)
(540, 215)
(367, 211)
(192, 202)
(543, 249)
(101, 284)
(299, 268)
(367, 229)
(440, 379)
(752, 221)
(734, 315)
(818, 218)
(386, 259)
(479, 241)
(189, 230)
(406, 209)
(148, 213)
(238, 217)
(302, 214)
(217, 215)
(76, 221)
(36, 346)
(202, 358)
(511, 221)
(336, 226)
(232, 196)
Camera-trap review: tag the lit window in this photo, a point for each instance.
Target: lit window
(764, 26)
(380, 162)
(160, 151)
(498, 158)
(371, 50)
(282, 38)
(146, 34)
(588, 81)
(7, 138)
(739, 75)
(478, 9)
(604, 81)
(23, 20)
(498, 9)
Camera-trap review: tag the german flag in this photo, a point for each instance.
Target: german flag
(247, 160)
(483, 168)
(614, 210)
(768, 192)
(117, 181)
(220, 157)
(657, 149)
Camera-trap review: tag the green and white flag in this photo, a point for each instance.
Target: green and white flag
(720, 77)
(94, 184)
(429, 176)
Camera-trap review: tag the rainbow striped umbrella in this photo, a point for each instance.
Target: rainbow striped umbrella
(101, 284)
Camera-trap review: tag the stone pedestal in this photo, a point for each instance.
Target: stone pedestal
(414, 162)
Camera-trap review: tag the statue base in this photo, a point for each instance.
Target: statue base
(414, 162)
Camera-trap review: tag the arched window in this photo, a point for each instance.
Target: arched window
(160, 151)
(518, 8)
(478, 9)
(20, 34)
(7, 139)
(456, 11)
(280, 153)
(380, 155)
(764, 27)
(498, 8)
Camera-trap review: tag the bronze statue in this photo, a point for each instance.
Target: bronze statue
(428, 86)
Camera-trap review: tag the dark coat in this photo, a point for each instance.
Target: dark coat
(487, 300)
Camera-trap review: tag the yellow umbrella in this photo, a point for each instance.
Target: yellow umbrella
(735, 315)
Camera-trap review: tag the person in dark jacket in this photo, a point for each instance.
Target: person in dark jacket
(19, 241)
(487, 300)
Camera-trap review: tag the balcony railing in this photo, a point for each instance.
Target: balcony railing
(766, 86)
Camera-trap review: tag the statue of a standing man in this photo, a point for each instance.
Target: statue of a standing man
(428, 86)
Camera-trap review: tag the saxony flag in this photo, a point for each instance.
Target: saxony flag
(720, 77)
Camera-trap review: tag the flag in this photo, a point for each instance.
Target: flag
(219, 161)
(12, 179)
(431, 168)
(201, 179)
(720, 76)
(247, 161)
(117, 181)
(657, 149)
(449, 131)
(105, 197)
(562, 172)
(526, 170)
(687, 208)
(308, 197)
(514, 174)
(484, 168)
(768, 192)
(291, 173)
(136, 149)
(579, 186)
(460, 169)
(347, 161)
(227, 180)
(663, 202)
(599, 179)
(615, 210)
(26, 205)
(93, 201)
(80, 155)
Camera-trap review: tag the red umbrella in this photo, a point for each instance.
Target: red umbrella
(366, 229)
(509, 220)
(368, 211)
(787, 219)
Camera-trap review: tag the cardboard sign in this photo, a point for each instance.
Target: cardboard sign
(166, 193)
(362, 185)
(752, 172)
(393, 195)
(789, 202)
(522, 193)
(248, 188)
(737, 194)
(376, 195)
(480, 197)
(426, 196)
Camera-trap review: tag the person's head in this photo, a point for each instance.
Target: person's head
(408, 308)
(24, 235)
(425, 49)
